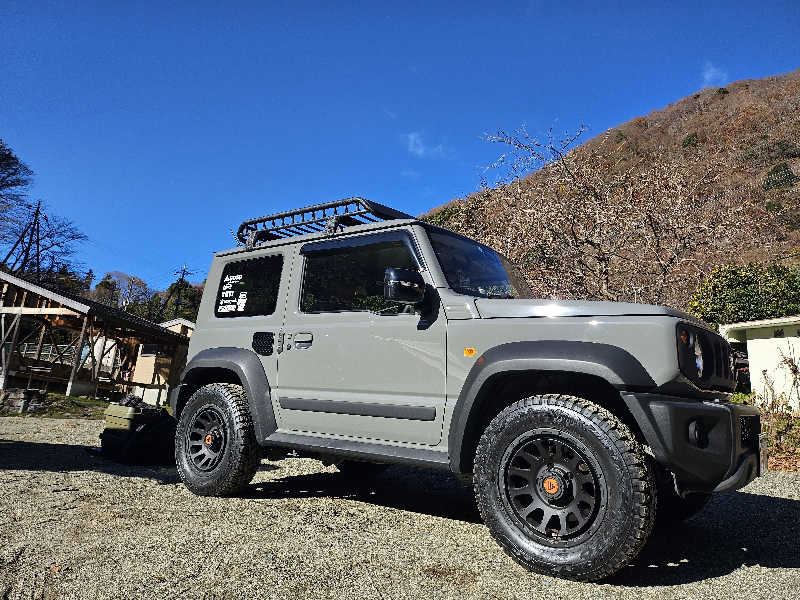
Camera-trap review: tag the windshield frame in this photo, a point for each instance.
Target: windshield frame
(516, 280)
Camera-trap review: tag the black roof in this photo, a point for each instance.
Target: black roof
(93, 308)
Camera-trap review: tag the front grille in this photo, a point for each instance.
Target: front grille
(750, 427)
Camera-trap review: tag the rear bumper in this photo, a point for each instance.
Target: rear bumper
(708, 446)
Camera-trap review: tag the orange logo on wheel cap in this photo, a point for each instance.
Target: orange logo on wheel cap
(209, 439)
(550, 486)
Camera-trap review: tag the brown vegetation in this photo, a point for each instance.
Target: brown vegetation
(644, 211)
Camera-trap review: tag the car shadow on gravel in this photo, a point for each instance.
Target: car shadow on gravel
(735, 530)
(421, 491)
(62, 458)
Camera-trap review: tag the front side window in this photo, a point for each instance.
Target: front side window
(351, 278)
(476, 270)
(249, 288)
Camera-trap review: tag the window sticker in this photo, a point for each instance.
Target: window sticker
(249, 287)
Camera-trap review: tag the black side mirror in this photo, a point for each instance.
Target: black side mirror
(405, 286)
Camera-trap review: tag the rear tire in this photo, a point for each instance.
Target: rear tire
(564, 487)
(215, 446)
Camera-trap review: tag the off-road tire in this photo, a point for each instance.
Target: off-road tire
(238, 456)
(671, 507)
(359, 470)
(624, 488)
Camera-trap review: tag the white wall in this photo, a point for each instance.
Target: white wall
(766, 352)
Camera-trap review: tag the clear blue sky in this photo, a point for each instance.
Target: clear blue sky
(159, 126)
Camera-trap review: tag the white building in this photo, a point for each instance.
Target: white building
(773, 349)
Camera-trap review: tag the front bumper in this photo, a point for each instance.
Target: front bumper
(708, 446)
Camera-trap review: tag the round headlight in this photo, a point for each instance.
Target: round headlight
(698, 355)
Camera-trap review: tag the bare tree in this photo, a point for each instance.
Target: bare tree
(38, 242)
(593, 225)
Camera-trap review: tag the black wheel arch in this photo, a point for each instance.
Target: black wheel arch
(508, 372)
(229, 365)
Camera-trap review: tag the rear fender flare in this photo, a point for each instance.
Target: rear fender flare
(247, 367)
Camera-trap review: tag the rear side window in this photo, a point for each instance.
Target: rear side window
(351, 278)
(249, 288)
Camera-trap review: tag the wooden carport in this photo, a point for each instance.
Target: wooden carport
(55, 338)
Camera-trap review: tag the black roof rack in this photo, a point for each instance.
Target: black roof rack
(314, 219)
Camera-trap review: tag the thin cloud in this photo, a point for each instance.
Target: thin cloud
(416, 145)
(409, 174)
(389, 113)
(714, 75)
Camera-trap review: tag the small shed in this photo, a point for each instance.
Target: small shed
(53, 340)
(773, 349)
(154, 363)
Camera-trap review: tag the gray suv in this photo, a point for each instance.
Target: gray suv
(364, 337)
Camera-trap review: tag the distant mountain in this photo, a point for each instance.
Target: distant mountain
(739, 144)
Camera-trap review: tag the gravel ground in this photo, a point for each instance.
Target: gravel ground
(74, 525)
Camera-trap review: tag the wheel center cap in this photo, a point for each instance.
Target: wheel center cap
(551, 486)
(209, 439)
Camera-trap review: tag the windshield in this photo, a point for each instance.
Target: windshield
(476, 270)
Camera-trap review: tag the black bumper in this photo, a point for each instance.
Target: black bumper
(709, 446)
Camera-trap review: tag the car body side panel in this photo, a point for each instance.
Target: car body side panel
(392, 361)
(237, 332)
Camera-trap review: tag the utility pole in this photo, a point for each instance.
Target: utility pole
(182, 274)
(181, 281)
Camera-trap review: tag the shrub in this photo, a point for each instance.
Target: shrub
(756, 291)
(778, 176)
(620, 137)
(722, 92)
(690, 141)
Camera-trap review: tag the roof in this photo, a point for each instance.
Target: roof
(89, 307)
(173, 322)
(725, 329)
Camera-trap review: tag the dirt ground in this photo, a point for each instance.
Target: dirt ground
(75, 525)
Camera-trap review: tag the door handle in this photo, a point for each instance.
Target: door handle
(303, 340)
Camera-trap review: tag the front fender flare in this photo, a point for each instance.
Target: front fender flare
(611, 363)
(248, 368)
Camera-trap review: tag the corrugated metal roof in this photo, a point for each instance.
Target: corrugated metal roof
(94, 308)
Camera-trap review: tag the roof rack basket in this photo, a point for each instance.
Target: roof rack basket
(315, 219)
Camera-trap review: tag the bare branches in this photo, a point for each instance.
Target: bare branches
(599, 224)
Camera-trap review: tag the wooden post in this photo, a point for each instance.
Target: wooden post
(16, 326)
(99, 365)
(76, 361)
(14, 333)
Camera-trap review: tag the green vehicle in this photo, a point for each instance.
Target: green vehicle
(359, 335)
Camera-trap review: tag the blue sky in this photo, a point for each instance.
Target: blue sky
(159, 126)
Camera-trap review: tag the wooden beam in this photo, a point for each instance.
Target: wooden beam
(27, 310)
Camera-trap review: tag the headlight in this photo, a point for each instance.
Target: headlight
(693, 357)
(698, 356)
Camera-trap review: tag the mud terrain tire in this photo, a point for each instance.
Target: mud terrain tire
(215, 446)
(592, 499)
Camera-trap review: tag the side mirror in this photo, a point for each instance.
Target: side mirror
(405, 286)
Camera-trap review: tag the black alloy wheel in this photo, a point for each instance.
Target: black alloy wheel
(205, 443)
(551, 487)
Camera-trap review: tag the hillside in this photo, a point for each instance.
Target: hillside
(645, 210)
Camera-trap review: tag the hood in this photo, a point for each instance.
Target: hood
(496, 308)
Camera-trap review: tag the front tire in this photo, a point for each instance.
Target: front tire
(215, 446)
(564, 487)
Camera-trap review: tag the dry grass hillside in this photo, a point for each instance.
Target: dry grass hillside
(645, 210)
